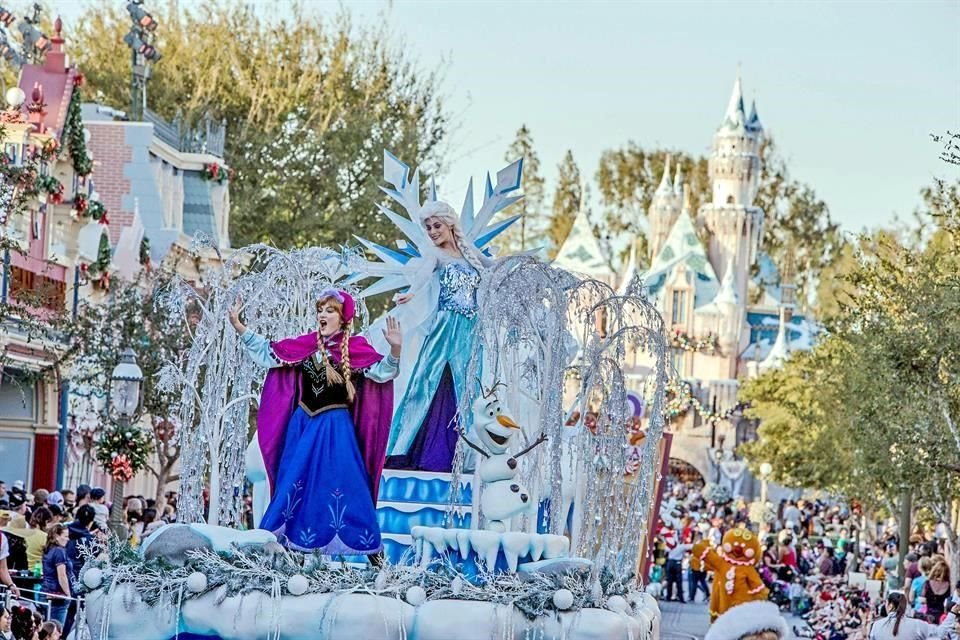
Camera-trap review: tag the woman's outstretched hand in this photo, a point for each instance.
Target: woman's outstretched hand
(404, 298)
(235, 315)
(393, 336)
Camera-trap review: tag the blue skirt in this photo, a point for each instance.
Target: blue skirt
(322, 499)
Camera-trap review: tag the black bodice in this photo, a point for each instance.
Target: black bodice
(316, 394)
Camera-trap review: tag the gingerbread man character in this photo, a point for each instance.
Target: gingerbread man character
(736, 580)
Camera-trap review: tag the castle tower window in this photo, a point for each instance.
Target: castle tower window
(678, 311)
(730, 200)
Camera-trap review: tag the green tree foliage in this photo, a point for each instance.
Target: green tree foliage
(567, 201)
(98, 335)
(309, 104)
(530, 231)
(875, 406)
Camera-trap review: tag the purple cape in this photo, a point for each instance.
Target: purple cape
(372, 407)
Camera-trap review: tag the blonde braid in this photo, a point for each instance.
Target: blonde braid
(345, 361)
(469, 253)
(333, 376)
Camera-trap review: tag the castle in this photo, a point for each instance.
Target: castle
(700, 280)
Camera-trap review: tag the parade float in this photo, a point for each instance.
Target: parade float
(512, 519)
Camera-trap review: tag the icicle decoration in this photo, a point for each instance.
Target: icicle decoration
(537, 324)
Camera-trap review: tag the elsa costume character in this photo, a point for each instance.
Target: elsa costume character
(422, 434)
(439, 265)
(322, 427)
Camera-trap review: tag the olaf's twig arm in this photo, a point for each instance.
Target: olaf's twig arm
(537, 442)
(463, 436)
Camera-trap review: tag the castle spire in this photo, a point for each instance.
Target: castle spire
(753, 122)
(665, 187)
(736, 113)
(678, 181)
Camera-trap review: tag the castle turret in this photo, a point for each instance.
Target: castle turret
(735, 163)
(734, 225)
(664, 208)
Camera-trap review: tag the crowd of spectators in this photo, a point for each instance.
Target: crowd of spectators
(820, 560)
(45, 539)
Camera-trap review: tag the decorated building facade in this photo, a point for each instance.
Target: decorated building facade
(101, 198)
(724, 324)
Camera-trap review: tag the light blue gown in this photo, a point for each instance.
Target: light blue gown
(421, 429)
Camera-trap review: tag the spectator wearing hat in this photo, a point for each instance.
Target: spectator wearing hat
(18, 505)
(55, 498)
(98, 500)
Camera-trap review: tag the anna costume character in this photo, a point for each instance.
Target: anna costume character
(322, 425)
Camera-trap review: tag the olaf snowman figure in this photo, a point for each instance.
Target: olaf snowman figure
(500, 498)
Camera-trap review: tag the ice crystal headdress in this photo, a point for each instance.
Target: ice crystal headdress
(477, 226)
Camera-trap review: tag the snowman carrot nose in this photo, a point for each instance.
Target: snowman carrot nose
(507, 422)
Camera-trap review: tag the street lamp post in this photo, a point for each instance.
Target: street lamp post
(125, 397)
(765, 470)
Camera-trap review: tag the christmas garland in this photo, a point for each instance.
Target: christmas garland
(28, 178)
(99, 271)
(680, 399)
(50, 186)
(122, 451)
(708, 344)
(269, 567)
(216, 173)
(73, 134)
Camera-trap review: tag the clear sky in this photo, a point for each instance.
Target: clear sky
(850, 90)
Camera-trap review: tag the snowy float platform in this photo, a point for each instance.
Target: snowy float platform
(213, 583)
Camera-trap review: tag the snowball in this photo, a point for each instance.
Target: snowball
(416, 595)
(563, 599)
(93, 578)
(197, 582)
(297, 585)
(617, 603)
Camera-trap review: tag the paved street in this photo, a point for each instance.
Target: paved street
(684, 621)
(690, 621)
